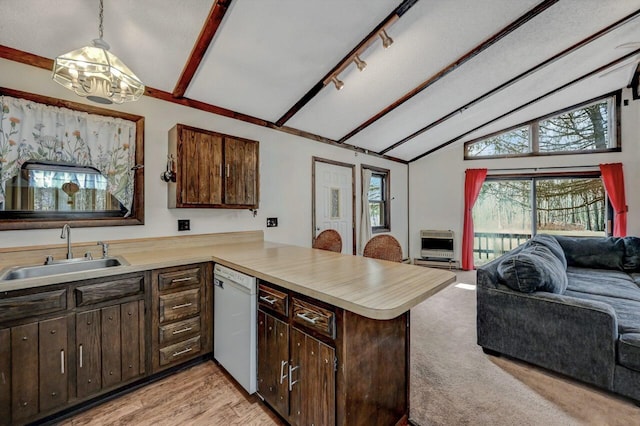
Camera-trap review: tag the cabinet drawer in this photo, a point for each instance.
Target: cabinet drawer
(179, 305)
(181, 278)
(273, 299)
(313, 317)
(96, 293)
(29, 305)
(180, 330)
(179, 351)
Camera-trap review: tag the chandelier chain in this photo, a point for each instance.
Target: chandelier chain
(101, 17)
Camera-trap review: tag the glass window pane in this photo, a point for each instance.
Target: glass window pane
(375, 188)
(376, 214)
(570, 207)
(583, 129)
(513, 142)
(501, 218)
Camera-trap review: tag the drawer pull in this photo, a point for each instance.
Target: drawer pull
(307, 319)
(184, 330)
(62, 361)
(184, 305)
(179, 280)
(80, 356)
(175, 354)
(269, 300)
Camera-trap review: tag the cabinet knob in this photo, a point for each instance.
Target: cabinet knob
(111, 373)
(88, 322)
(53, 332)
(24, 338)
(89, 381)
(110, 318)
(53, 394)
(24, 404)
(130, 313)
(130, 366)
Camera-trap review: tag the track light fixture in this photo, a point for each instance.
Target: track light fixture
(359, 63)
(386, 40)
(338, 83)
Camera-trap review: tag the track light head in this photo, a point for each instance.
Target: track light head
(338, 83)
(386, 40)
(359, 63)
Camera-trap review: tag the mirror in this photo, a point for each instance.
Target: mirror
(74, 164)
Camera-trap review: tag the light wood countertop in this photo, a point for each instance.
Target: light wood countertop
(373, 288)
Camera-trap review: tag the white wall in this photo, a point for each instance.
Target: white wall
(285, 175)
(437, 181)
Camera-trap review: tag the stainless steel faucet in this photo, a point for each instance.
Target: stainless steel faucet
(66, 233)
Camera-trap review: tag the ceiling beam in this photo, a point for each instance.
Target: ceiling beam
(211, 25)
(541, 7)
(47, 64)
(531, 102)
(306, 98)
(515, 79)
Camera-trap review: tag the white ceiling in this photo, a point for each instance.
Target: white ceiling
(267, 54)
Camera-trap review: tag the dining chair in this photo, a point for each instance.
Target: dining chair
(329, 239)
(384, 247)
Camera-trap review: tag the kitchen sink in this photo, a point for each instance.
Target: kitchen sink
(63, 267)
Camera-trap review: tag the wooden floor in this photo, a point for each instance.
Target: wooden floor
(201, 395)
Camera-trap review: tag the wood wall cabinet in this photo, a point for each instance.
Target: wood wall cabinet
(68, 343)
(213, 170)
(322, 365)
(182, 307)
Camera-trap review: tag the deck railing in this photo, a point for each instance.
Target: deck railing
(493, 244)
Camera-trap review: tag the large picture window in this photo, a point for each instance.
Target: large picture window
(586, 128)
(509, 210)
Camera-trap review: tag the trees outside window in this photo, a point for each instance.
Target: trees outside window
(510, 210)
(589, 127)
(378, 198)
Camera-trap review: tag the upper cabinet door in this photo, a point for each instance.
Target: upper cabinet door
(241, 174)
(213, 170)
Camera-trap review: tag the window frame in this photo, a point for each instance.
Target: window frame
(385, 204)
(534, 133)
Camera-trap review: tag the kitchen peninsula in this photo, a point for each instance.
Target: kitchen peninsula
(366, 301)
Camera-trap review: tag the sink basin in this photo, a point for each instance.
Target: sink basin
(20, 272)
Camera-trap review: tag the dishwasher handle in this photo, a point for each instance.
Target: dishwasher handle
(218, 283)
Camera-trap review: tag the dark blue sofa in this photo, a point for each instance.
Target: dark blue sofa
(571, 305)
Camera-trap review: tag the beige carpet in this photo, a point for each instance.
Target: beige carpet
(454, 383)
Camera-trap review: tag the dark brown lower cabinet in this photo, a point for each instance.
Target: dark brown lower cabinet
(110, 346)
(37, 380)
(312, 381)
(322, 365)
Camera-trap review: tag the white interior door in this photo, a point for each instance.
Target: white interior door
(334, 201)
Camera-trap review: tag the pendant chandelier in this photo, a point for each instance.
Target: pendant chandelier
(97, 74)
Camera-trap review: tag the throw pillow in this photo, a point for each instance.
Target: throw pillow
(593, 252)
(534, 268)
(552, 244)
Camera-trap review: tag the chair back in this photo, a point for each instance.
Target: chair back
(329, 239)
(384, 247)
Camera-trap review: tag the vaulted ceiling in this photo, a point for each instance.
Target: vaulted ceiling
(457, 69)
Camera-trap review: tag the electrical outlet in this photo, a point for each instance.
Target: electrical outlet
(272, 222)
(184, 225)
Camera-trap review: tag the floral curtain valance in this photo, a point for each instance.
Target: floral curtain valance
(33, 131)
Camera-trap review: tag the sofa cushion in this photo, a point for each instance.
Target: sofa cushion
(593, 252)
(631, 253)
(626, 310)
(604, 282)
(629, 350)
(552, 244)
(534, 268)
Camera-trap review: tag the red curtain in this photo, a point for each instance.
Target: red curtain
(613, 180)
(474, 178)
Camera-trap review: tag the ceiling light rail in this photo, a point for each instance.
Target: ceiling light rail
(354, 57)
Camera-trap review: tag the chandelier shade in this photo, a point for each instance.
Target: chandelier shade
(97, 74)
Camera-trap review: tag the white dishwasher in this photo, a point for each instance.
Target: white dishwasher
(234, 324)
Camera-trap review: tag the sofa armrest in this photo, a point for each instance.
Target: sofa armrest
(566, 334)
